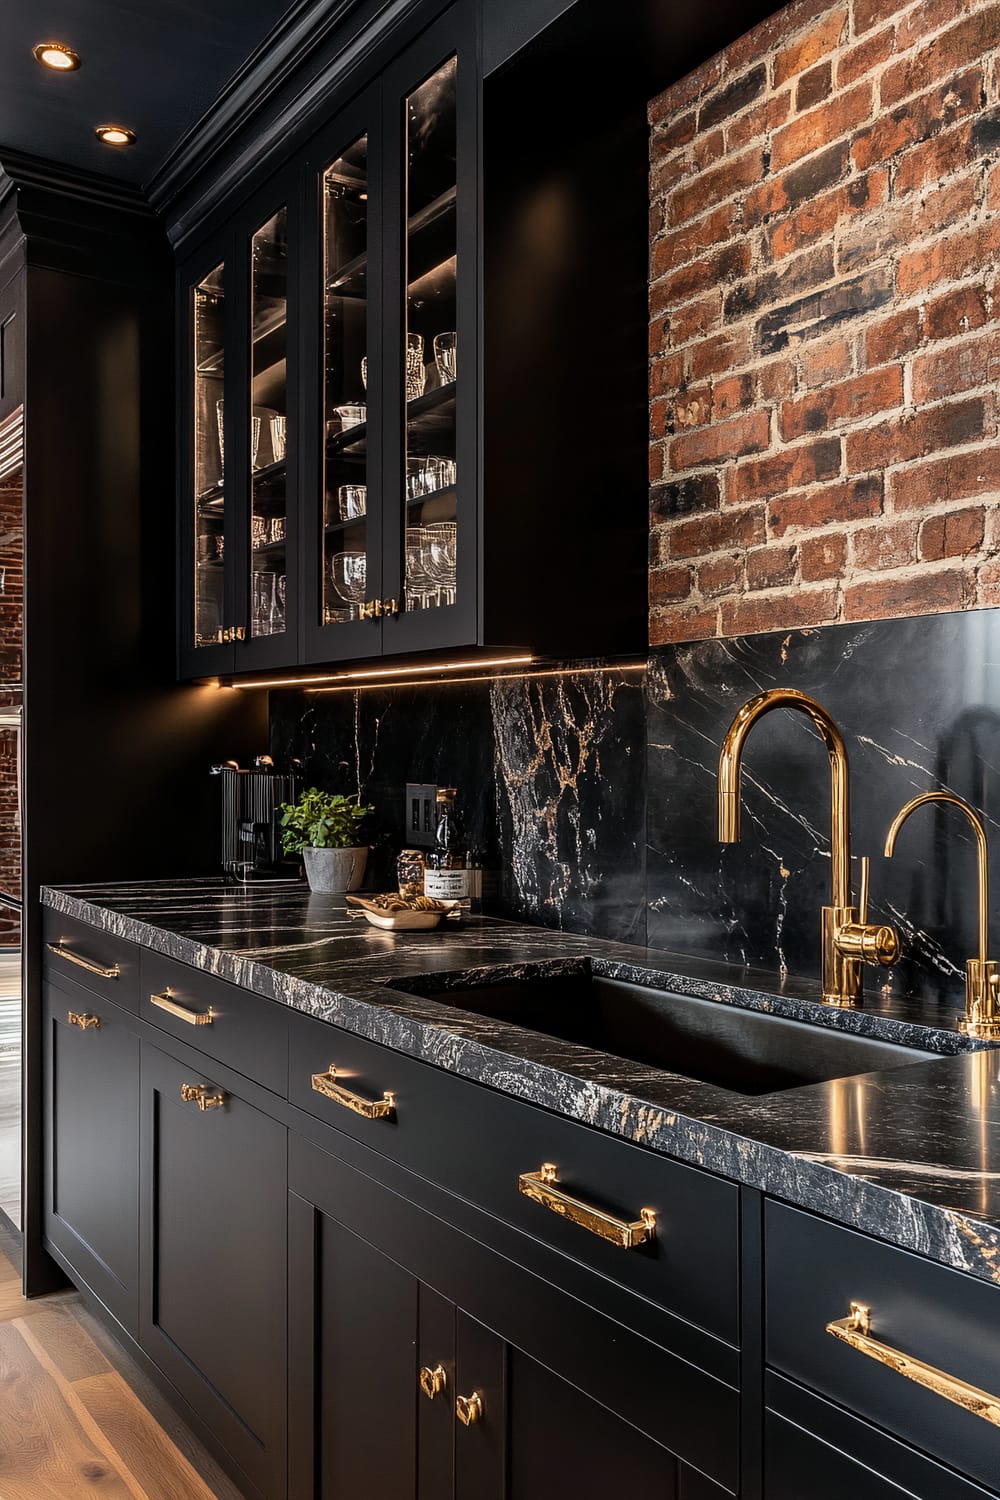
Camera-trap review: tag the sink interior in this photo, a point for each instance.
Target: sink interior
(745, 1051)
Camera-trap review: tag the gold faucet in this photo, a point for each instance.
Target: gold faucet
(849, 941)
(982, 981)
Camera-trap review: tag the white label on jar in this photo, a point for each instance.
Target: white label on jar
(446, 885)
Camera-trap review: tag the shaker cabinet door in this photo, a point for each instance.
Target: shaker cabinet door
(212, 1312)
(91, 1061)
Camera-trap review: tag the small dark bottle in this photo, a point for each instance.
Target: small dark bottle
(446, 877)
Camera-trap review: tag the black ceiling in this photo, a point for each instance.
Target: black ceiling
(153, 65)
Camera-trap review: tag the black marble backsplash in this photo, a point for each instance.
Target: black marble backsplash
(597, 787)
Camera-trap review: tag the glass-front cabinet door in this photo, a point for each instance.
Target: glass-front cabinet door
(342, 556)
(207, 581)
(431, 119)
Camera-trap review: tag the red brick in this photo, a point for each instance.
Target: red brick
(956, 312)
(925, 18)
(887, 545)
(974, 35)
(726, 265)
(708, 150)
(834, 405)
(771, 567)
(792, 469)
(859, 60)
(920, 593)
(718, 532)
(929, 162)
(798, 186)
(665, 176)
(993, 190)
(815, 86)
(661, 418)
(672, 134)
(916, 436)
(956, 534)
(917, 120)
(959, 476)
(678, 626)
(694, 240)
(709, 188)
(817, 42)
(893, 338)
(950, 259)
(869, 13)
(822, 557)
(773, 32)
(824, 362)
(696, 319)
(833, 505)
(819, 217)
(789, 611)
(759, 121)
(960, 367)
(843, 113)
(733, 439)
(724, 352)
(685, 91)
(720, 575)
(666, 375)
(667, 585)
(659, 332)
(776, 379)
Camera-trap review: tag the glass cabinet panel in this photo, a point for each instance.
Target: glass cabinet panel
(209, 459)
(268, 425)
(430, 352)
(348, 369)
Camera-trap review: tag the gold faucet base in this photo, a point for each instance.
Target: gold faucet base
(986, 1031)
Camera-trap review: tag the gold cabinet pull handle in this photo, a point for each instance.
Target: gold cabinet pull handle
(86, 1021)
(183, 1012)
(855, 1330)
(542, 1187)
(197, 1093)
(433, 1382)
(370, 1109)
(84, 963)
(469, 1409)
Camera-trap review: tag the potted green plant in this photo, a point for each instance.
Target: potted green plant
(325, 828)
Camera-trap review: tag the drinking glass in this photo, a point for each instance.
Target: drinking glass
(255, 424)
(364, 372)
(220, 412)
(446, 356)
(352, 501)
(421, 590)
(438, 554)
(277, 616)
(416, 376)
(263, 603)
(278, 529)
(442, 474)
(278, 435)
(350, 576)
(260, 532)
(416, 478)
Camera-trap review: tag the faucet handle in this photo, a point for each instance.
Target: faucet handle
(866, 868)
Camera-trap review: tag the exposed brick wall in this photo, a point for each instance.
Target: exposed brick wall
(825, 321)
(11, 636)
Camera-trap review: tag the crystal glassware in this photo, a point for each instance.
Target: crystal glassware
(279, 430)
(260, 532)
(438, 554)
(352, 501)
(263, 603)
(421, 590)
(441, 474)
(416, 376)
(278, 529)
(446, 356)
(353, 414)
(350, 576)
(364, 372)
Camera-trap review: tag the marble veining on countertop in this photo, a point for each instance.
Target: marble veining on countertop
(911, 1154)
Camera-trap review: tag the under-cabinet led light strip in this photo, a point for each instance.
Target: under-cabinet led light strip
(380, 674)
(362, 687)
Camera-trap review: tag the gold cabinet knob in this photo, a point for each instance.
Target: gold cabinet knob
(469, 1409)
(433, 1382)
(197, 1093)
(86, 1021)
(390, 607)
(371, 609)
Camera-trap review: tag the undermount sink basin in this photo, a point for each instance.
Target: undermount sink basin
(745, 1051)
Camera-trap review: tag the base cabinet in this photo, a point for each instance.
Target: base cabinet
(212, 1311)
(92, 1152)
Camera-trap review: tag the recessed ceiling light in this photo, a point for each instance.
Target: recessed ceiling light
(55, 55)
(115, 135)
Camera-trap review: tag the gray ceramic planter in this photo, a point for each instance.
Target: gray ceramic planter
(333, 871)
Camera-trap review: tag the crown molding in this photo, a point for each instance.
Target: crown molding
(20, 172)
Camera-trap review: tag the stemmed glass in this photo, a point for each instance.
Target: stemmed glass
(263, 603)
(350, 576)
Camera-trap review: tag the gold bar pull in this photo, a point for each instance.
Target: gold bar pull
(85, 1021)
(182, 1012)
(469, 1409)
(855, 1331)
(370, 1109)
(433, 1382)
(542, 1187)
(197, 1093)
(84, 963)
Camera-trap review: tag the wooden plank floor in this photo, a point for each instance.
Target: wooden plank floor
(78, 1420)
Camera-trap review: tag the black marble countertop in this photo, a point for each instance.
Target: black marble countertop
(911, 1154)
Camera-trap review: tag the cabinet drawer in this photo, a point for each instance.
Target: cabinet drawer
(948, 1321)
(105, 964)
(480, 1144)
(235, 1026)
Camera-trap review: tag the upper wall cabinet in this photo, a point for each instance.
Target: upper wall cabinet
(334, 501)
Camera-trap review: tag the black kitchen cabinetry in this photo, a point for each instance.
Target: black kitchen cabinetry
(91, 1159)
(336, 502)
(481, 1382)
(213, 1258)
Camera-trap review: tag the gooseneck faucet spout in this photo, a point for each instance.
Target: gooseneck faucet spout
(849, 941)
(731, 768)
